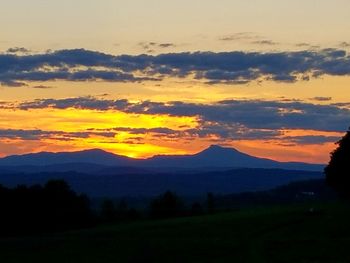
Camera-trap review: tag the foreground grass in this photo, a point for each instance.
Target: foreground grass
(271, 234)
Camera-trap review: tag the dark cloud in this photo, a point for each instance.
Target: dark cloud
(224, 121)
(166, 45)
(222, 131)
(223, 67)
(159, 130)
(151, 47)
(56, 135)
(344, 44)
(240, 36)
(265, 42)
(342, 104)
(311, 139)
(79, 103)
(12, 84)
(321, 98)
(303, 44)
(42, 87)
(18, 50)
(252, 114)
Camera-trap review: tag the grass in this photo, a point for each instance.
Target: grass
(270, 234)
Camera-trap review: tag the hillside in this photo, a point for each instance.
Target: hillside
(149, 183)
(271, 234)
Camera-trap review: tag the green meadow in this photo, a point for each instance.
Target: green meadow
(287, 234)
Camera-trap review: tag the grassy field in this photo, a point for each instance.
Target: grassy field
(270, 234)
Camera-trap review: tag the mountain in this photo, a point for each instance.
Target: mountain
(94, 156)
(214, 157)
(217, 156)
(99, 173)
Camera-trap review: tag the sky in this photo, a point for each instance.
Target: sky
(142, 78)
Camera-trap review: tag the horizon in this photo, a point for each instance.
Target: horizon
(138, 158)
(174, 131)
(172, 78)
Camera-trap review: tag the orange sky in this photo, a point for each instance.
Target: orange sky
(70, 51)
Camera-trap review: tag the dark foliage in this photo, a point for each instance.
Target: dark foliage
(196, 209)
(293, 193)
(166, 206)
(210, 203)
(110, 213)
(338, 170)
(36, 209)
(107, 210)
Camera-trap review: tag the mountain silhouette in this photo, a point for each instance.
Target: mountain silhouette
(93, 156)
(100, 174)
(212, 157)
(216, 156)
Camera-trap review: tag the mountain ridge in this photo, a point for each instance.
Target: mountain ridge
(213, 156)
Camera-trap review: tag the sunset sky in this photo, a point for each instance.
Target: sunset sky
(141, 78)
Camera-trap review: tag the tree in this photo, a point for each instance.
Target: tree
(108, 211)
(338, 169)
(167, 205)
(37, 209)
(210, 203)
(196, 209)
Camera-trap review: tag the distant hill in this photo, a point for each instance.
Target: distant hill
(150, 183)
(294, 192)
(94, 156)
(213, 157)
(99, 173)
(217, 156)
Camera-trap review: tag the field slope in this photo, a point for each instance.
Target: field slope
(270, 234)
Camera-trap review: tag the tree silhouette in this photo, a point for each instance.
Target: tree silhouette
(210, 203)
(196, 209)
(35, 209)
(167, 205)
(108, 211)
(338, 169)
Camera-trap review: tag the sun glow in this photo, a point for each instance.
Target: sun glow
(86, 129)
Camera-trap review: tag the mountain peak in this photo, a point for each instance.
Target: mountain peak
(214, 148)
(213, 156)
(94, 150)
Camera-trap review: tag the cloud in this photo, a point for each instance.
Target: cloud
(265, 42)
(159, 130)
(78, 103)
(308, 45)
(344, 44)
(54, 135)
(311, 139)
(302, 44)
(18, 50)
(42, 87)
(222, 121)
(166, 45)
(151, 47)
(223, 132)
(251, 114)
(342, 104)
(321, 98)
(240, 36)
(250, 37)
(223, 67)
(12, 84)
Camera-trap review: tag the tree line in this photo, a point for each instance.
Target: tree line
(35, 209)
(56, 207)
